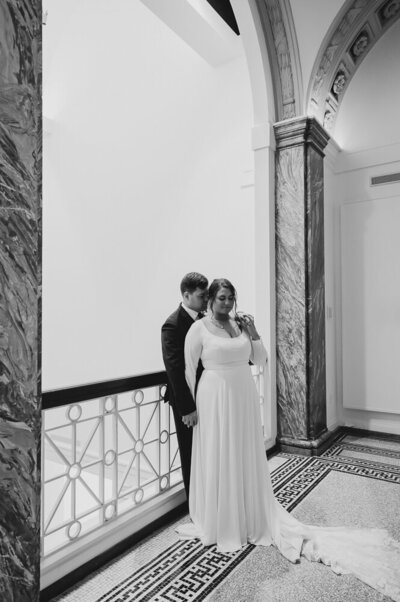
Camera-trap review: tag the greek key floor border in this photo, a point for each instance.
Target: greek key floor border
(184, 572)
(188, 572)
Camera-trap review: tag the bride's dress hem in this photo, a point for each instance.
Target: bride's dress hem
(370, 555)
(231, 497)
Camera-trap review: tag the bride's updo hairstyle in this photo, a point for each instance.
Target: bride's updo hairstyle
(216, 286)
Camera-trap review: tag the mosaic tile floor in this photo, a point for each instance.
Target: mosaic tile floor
(356, 482)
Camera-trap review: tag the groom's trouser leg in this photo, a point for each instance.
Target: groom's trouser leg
(184, 435)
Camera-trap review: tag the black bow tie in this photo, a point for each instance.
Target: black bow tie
(200, 315)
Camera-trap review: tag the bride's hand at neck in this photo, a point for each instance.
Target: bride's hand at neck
(246, 321)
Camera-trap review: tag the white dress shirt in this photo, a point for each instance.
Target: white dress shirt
(193, 314)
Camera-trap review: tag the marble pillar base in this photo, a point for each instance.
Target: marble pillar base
(307, 447)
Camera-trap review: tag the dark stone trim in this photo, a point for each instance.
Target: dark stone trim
(60, 397)
(273, 451)
(351, 430)
(317, 447)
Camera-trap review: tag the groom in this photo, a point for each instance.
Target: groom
(173, 332)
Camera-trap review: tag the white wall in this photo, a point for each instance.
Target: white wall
(368, 133)
(332, 303)
(363, 288)
(371, 304)
(368, 327)
(368, 115)
(145, 161)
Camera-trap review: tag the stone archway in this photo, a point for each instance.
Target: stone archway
(356, 29)
(280, 39)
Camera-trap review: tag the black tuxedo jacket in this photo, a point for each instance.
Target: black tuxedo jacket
(173, 334)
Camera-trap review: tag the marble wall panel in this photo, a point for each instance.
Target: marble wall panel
(20, 285)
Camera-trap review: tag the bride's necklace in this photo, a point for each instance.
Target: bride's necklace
(218, 323)
(223, 326)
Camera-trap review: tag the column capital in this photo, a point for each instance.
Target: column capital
(301, 130)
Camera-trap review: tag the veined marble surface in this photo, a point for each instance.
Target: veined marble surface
(300, 292)
(20, 280)
(316, 294)
(290, 292)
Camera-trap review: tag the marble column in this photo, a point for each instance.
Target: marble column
(300, 294)
(20, 285)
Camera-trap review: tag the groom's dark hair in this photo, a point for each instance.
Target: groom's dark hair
(193, 280)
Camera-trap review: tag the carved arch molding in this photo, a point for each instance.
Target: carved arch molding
(356, 29)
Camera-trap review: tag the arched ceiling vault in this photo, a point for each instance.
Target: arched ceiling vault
(356, 29)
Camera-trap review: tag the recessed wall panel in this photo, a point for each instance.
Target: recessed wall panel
(370, 245)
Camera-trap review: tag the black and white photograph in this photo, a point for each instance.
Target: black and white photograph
(199, 301)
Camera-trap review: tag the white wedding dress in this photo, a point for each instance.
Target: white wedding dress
(231, 498)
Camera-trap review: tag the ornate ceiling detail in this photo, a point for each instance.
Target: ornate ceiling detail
(277, 21)
(358, 27)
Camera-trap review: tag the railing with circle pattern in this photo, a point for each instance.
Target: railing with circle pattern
(107, 449)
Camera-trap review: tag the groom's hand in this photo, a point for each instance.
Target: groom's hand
(190, 419)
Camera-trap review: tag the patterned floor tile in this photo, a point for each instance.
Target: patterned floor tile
(185, 571)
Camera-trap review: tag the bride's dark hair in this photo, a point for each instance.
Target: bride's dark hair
(216, 286)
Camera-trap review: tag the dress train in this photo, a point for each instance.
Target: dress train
(231, 497)
(371, 555)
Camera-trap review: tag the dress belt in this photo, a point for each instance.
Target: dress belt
(212, 366)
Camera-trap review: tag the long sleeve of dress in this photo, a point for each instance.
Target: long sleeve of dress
(193, 349)
(259, 355)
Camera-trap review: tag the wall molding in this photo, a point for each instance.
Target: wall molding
(371, 157)
(372, 421)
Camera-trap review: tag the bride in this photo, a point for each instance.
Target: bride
(231, 499)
